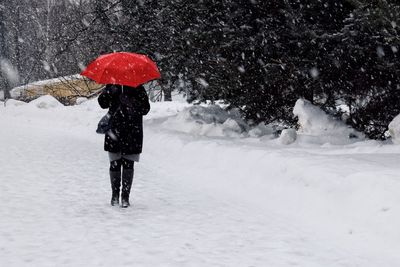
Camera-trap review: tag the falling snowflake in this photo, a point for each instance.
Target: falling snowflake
(314, 72)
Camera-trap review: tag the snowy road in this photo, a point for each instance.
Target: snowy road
(196, 201)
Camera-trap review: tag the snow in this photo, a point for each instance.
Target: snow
(198, 200)
(380, 52)
(394, 129)
(262, 130)
(202, 82)
(288, 136)
(14, 103)
(314, 72)
(241, 69)
(46, 101)
(9, 71)
(208, 121)
(80, 100)
(46, 65)
(318, 127)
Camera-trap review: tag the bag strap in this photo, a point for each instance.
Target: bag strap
(115, 112)
(118, 108)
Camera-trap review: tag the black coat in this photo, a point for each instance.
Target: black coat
(127, 126)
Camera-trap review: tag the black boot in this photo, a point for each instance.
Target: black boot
(127, 177)
(115, 178)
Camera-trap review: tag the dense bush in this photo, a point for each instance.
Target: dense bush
(329, 52)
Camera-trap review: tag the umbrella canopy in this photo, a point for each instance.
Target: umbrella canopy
(122, 68)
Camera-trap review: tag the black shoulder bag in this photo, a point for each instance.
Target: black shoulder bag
(105, 123)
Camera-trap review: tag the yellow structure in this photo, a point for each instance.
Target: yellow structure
(65, 89)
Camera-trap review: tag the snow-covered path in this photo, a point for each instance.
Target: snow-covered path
(196, 201)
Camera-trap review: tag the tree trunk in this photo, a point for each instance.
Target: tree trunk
(167, 93)
(166, 89)
(6, 91)
(3, 54)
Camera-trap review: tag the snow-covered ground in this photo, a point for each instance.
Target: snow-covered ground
(198, 199)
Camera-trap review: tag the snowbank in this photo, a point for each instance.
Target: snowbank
(261, 130)
(394, 129)
(288, 136)
(208, 121)
(45, 102)
(318, 127)
(80, 100)
(13, 103)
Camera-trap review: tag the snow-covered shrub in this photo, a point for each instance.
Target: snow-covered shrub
(17, 92)
(211, 114)
(261, 129)
(231, 126)
(207, 120)
(315, 122)
(288, 136)
(45, 102)
(394, 129)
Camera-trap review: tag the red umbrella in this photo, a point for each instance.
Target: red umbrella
(122, 68)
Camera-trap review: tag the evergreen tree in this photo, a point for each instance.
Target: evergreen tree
(366, 75)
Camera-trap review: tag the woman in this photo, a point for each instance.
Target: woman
(124, 141)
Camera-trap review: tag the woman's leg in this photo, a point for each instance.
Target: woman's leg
(115, 178)
(127, 177)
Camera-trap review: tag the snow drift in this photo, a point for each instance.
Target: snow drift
(394, 129)
(208, 121)
(315, 126)
(288, 136)
(45, 102)
(13, 103)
